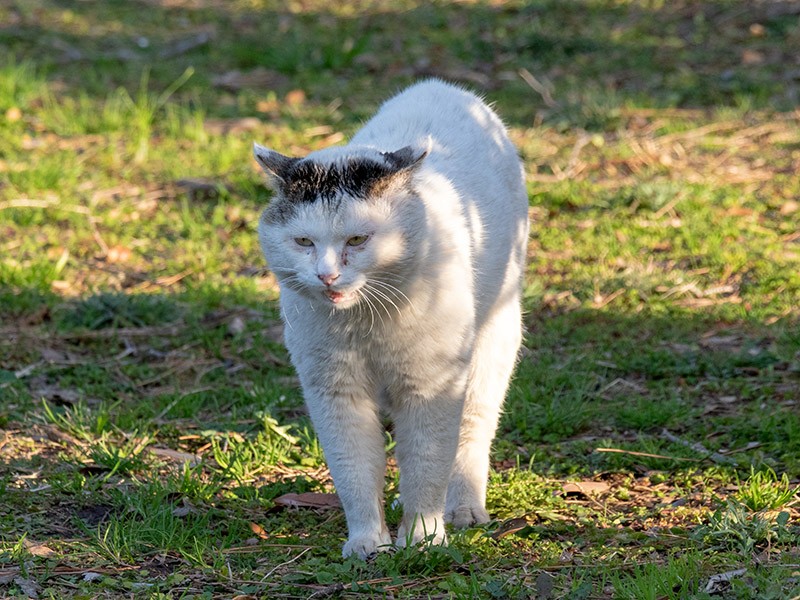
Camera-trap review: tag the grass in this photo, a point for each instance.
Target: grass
(152, 424)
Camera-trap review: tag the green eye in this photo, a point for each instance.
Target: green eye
(303, 241)
(357, 240)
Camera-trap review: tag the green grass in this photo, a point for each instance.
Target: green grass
(151, 420)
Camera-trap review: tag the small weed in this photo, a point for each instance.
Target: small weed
(119, 457)
(734, 527)
(678, 577)
(764, 491)
(79, 421)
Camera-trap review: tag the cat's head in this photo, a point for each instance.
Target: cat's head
(343, 224)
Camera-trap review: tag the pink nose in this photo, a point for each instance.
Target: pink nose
(328, 278)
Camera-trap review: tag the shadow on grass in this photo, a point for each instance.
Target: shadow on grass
(587, 378)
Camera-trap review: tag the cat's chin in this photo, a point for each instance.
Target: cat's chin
(341, 300)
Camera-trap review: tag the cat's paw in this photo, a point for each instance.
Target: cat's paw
(366, 546)
(465, 516)
(413, 531)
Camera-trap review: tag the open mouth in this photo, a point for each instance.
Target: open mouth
(337, 297)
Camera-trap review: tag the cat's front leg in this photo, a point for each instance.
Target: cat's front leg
(352, 438)
(426, 431)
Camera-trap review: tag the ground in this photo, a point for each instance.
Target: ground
(154, 442)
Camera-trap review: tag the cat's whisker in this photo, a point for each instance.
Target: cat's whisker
(387, 298)
(398, 293)
(368, 291)
(360, 294)
(372, 310)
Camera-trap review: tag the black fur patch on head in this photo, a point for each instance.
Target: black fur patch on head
(306, 180)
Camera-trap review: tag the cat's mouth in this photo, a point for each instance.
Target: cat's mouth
(339, 297)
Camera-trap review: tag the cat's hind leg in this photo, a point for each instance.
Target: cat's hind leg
(493, 361)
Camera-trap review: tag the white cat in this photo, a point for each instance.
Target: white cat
(400, 258)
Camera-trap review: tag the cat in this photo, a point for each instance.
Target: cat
(400, 258)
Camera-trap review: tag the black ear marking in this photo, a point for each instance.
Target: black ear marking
(405, 158)
(274, 164)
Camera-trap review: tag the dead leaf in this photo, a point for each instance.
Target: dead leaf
(29, 587)
(200, 188)
(39, 549)
(259, 531)
(13, 114)
(182, 511)
(309, 500)
(585, 488)
(231, 126)
(118, 254)
(718, 583)
(789, 207)
(544, 585)
(509, 527)
(268, 106)
(256, 78)
(57, 395)
(295, 98)
(176, 455)
(752, 57)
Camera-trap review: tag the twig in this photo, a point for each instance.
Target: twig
(283, 564)
(645, 454)
(697, 447)
(538, 87)
(182, 46)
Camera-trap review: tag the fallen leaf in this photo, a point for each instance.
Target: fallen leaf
(267, 106)
(720, 582)
(176, 455)
(256, 78)
(29, 587)
(13, 114)
(200, 188)
(57, 395)
(544, 585)
(118, 254)
(295, 98)
(585, 488)
(509, 527)
(182, 511)
(259, 531)
(752, 57)
(39, 549)
(231, 126)
(309, 500)
(789, 207)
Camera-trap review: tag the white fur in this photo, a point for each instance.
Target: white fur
(433, 337)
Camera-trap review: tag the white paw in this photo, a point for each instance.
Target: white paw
(465, 516)
(365, 546)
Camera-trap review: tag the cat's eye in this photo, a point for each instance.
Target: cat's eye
(303, 241)
(357, 240)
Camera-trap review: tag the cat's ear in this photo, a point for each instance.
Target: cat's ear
(408, 157)
(275, 164)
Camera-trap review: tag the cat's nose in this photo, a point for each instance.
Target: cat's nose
(328, 278)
